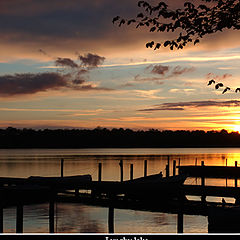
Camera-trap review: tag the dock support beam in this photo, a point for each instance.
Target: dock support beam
(111, 219)
(51, 214)
(62, 161)
(121, 170)
(180, 222)
(167, 167)
(236, 183)
(145, 168)
(99, 172)
(203, 197)
(1, 218)
(179, 164)
(174, 168)
(131, 172)
(226, 177)
(19, 218)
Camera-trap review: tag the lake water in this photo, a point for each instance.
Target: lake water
(79, 218)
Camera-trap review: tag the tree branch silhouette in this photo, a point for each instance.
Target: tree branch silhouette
(190, 24)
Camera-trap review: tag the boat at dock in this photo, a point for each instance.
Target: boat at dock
(155, 188)
(158, 178)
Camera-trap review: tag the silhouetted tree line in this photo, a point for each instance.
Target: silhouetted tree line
(103, 137)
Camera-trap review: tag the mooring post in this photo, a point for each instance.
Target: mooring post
(51, 213)
(174, 168)
(19, 218)
(179, 164)
(111, 215)
(131, 172)
(121, 170)
(236, 178)
(167, 170)
(226, 177)
(145, 168)
(167, 167)
(180, 222)
(62, 161)
(180, 212)
(203, 183)
(99, 172)
(111, 219)
(1, 217)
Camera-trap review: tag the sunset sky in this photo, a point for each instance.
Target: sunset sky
(63, 64)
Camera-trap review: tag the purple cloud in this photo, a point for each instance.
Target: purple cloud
(196, 104)
(91, 60)
(66, 62)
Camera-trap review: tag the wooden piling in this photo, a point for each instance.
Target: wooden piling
(167, 170)
(236, 178)
(121, 170)
(145, 168)
(226, 177)
(179, 164)
(111, 219)
(174, 168)
(131, 172)
(99, 172)
(180, 222)
(203, 197)
(167, 166)
(1, 218)
(196, 162)
(51, 214)
(62, 161)
(19, 218)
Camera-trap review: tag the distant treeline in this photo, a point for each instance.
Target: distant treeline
(107, 138)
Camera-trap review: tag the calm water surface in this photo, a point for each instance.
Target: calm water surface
(79, 218)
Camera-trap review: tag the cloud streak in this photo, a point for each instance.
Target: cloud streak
(180, 106)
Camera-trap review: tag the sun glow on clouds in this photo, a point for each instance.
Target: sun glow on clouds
(126, 90)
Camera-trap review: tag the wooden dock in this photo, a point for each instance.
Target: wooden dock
(210, 171)
(141, 194)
